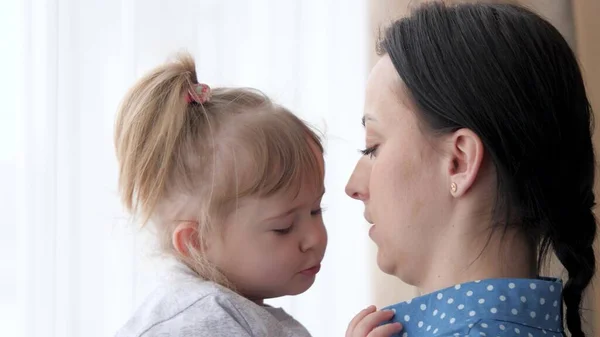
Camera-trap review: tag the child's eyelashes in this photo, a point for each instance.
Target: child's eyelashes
(286, 230)
(370, 151)
(283, 231)
(317, 211)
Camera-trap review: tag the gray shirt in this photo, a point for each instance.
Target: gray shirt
(188, 306)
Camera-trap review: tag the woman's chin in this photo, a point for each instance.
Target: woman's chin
(384, 264)
(394, 268)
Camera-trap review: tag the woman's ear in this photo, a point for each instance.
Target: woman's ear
(184, 236)
(466, 157)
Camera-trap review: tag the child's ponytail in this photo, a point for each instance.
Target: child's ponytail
(150, 125)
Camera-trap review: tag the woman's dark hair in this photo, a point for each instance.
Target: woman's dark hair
(509, 76)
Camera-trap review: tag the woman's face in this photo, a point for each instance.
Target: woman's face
(401, 179)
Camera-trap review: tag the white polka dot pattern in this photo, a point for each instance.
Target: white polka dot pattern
(492, 308)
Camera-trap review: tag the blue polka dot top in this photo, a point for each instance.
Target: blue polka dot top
(487, 308)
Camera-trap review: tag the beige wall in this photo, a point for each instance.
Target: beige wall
(587, 33)
(580, 24)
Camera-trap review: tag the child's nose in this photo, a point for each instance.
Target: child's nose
(315, 238)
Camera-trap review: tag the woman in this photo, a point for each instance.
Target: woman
(478, 162)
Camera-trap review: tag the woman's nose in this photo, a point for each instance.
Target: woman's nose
(358, 184)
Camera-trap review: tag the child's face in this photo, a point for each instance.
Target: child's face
(272, 246)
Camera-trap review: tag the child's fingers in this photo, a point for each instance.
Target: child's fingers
(359, 317)
(371, 321)
(386, 330)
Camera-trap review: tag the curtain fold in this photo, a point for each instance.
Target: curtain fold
(73, 264)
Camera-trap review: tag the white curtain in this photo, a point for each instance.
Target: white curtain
(71, 263)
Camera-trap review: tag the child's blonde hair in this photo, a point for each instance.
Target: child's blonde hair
(182, 161)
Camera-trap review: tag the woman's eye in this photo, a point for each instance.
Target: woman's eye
(370, 151)
(283, 231)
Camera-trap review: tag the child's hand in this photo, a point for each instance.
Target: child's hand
(367, 324)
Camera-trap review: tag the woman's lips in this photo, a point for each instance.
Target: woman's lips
(371, 231)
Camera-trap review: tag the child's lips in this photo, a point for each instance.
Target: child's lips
(312, 270)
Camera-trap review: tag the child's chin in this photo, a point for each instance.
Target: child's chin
(296, 287)
(300, 287)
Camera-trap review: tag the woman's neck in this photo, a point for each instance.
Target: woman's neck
(490, 254)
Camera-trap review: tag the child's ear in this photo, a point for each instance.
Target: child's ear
(184, 236)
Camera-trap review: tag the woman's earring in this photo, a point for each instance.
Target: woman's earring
(453, 187)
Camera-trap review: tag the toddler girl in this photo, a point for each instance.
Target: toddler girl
(233, 183)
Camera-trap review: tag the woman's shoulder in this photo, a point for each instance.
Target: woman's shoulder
(487, 307)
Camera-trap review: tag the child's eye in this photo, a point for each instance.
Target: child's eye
(317, 211)
(283, 231)
(370, 151)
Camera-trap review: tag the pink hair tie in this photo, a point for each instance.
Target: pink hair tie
(199, 93)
